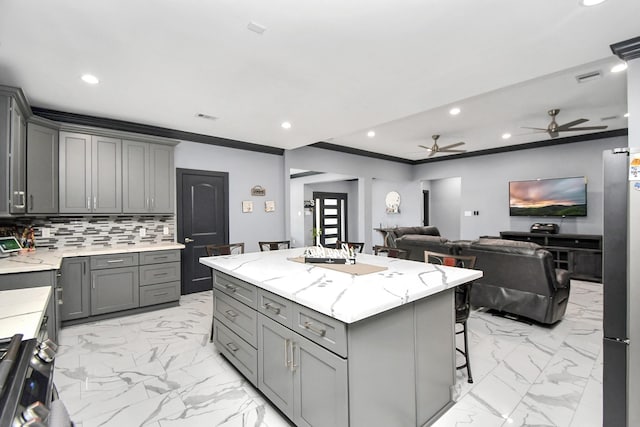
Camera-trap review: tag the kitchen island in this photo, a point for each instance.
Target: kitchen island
(332, 348)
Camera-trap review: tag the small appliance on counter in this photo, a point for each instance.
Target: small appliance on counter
(9, 245)
(549, 228)
(27, 393)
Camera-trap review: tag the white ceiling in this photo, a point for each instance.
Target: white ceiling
(335, 69)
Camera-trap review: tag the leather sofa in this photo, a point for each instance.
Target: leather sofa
(518, 278)
(416, 240)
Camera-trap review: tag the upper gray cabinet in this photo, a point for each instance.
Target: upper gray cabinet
(147, 177)
(13, 138)
(90, 174)
(42, 169)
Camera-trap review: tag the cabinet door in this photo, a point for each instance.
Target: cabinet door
(319, 386)
(75, 173)
(161, 182)
(17, 167)
(275, 378)
(135, 177)
(106, 174)
(74, 281)
(42, 170)
(114, 289)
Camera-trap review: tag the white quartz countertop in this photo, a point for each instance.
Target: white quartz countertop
(22, 310)
(346, 297)
(45, 259)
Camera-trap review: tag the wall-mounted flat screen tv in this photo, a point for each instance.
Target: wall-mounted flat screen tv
(548, 197)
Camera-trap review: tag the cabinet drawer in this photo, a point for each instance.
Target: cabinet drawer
(159, 257)
(159, 273)
(323, 330)
(114, 261)
(237, 351)
(157, 294)
(236, 316)
(275, 307)
(236, 288)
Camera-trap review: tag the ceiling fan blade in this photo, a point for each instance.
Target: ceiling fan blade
(453, 151)
(432, 153)
(553, 134)
(584, 128)
(451, 146)
(573, 123)
(541, 129)
(426, 148)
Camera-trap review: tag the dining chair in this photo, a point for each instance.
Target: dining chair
(225, 249)
(219, 250)
(390, 252)
(462, 296)
(274, 245)
(357, 246)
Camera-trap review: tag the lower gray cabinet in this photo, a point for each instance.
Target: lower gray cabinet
(114, 289)
(74, 281)
(305, 381)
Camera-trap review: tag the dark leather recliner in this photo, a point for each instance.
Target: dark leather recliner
(416, 244)
(518, 278)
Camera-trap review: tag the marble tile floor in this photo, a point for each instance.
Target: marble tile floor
(158, 369)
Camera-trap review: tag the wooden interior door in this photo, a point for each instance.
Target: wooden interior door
(203, 219)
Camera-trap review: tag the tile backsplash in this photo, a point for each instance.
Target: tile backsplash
(95, 231)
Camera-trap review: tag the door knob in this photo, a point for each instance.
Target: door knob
(188, 240)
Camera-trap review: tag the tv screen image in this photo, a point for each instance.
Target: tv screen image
(548, 197)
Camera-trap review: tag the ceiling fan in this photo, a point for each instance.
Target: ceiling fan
(435, 148)
(554, 128)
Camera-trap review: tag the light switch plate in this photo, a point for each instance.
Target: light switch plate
(46, 232)
(468, 213)
(165, 230)
(143, 232)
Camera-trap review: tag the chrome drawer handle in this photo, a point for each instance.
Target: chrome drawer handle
(231, 287)
(113, 261)
(160, 294)
(231, 314)
(232, 347)
(287, 363)
(270, 306)
(309, 326)
(160, 274)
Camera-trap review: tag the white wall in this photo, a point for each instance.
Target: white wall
(364, 168)
(444, 207)
(246, 169)
(410, 205)
(484, 185)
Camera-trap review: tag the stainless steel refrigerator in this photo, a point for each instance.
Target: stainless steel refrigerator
(621, 204)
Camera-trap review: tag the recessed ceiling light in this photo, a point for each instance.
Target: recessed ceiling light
(591, 2)
(286, 125)
(626, 115)
(371, 134)
(619, 67)
(90, 78)
(454, 111)
(506, 135)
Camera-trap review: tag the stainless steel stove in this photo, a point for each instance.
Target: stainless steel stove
(27, 393)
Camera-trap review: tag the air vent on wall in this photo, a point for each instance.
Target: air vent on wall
(206, 116)
(587, 77)
(604, 119)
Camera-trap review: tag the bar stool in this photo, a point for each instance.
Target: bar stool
(462, 296)
(274, 245)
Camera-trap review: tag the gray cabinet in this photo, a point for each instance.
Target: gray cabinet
(13, 192)
(114, 283)
(305, 381)
(159, 277)
(74, 281)
(42, 169)
(114, 289)
(261, 334)
(90, 174)
(147, 177)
